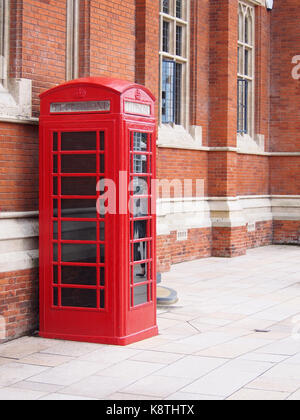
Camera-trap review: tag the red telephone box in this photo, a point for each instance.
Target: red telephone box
(97, 224)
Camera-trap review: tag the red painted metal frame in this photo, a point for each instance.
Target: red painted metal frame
(119, 321)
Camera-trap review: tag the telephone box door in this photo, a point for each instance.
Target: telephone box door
(77, 233)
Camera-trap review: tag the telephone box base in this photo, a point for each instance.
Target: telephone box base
(118, 341)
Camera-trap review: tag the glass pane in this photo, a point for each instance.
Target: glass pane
(79, 208)
(55, 252)
(165, 6)
(78, 185)
(140, 229)
(55, 230)
(102, 231)
(102, 276)
(78, 164)
(102, 253)
(102, 164)
(55, 296)
(55, 274)
(102, 299)
(140, 251)
(179, 9)
(140, 295)
(79, 231)
(178, 40)
(85, 253)
(140, 142)
(79, 298)
(140, 273)
(55, 142)
(79, 275)
(168, 91)
(139, 164)
(139, 185)
(139, 207)
(166, 36)
(178, 84)
(55, 164)
(78, 141)
(55, 191)
(55, 208)
(102, 143)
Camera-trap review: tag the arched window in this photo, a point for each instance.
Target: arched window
(174, 17)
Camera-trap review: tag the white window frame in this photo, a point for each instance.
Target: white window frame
(247, 10)
(72, 41)
(171, 55)
(4, 42)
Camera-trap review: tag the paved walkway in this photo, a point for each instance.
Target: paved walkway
(234, 334)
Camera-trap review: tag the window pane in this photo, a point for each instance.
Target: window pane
(79, 209)
(78, 164)
(55, 164)
(79, 231)
(139, 186)
(139, 207)
(178, 84)
(140, 273)
(140, 142)
(78, 186)
(86, 253)
(79, 275)
(140, 251)
(140, 229)
(179, 9)
(179, 40)
(139, 164)
(79, 298)
(166, 6)
(168, 87)
(166, 36)
(78, 141)
(140, 295)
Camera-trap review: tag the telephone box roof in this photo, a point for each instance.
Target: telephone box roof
(116, 85)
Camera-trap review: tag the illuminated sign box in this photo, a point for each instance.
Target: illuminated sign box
(87, 106)
(136, 108)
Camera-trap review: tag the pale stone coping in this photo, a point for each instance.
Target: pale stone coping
(16, 99)
(19, 214)
(198, 147)
(20, 120)
(16, 261)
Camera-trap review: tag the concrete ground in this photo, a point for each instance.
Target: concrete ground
(234, 334)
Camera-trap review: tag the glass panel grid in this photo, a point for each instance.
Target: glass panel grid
(78, 231)
(141, 242)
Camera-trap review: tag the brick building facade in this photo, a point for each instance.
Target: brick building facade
(230, 120)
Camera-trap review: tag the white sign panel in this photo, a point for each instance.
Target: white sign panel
(136, 108)
(87, 106)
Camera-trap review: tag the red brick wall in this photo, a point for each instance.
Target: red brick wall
(199, 65)
(112, 44)
(262, 236)
(43, 45)
(19, 302)
(253, 175)
(285, 91)
(229, 242)
(18, 167)
(171, 251)
(285, 175)
(182, 164)
(286, 232)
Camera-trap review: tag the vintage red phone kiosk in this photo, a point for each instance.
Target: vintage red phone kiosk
(97, 218)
